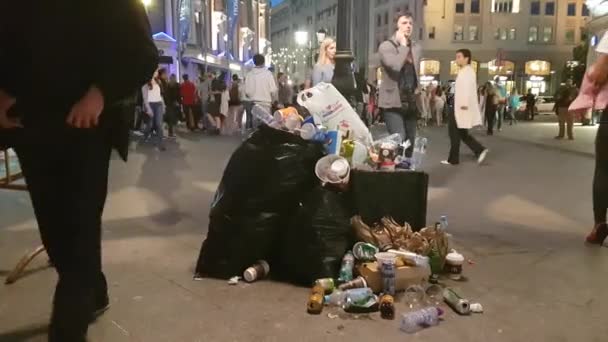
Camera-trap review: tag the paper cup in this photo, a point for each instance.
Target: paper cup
(292, 122)
(328, 173)
(308, 131)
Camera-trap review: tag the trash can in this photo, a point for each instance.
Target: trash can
(400, 195)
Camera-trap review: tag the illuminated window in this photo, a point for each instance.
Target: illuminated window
(458, 32)
(538, 68)
(570, 36)
(512, 34)
(533, 34)
(430, 67)
(454, 68)
(473, 32)
(547, 34)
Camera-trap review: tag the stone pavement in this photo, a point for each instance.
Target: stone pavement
(521, 218)
(542, 131)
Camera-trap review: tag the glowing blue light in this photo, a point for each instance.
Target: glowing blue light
(163, 36)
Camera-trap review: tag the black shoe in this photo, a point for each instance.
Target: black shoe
(101, 306)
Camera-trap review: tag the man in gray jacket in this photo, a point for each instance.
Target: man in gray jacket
(400, 59)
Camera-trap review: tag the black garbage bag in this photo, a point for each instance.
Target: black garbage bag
(263, 183)
(318, 236)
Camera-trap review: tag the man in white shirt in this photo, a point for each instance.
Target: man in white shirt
(260, 86)
(598, 74)
(466, 114)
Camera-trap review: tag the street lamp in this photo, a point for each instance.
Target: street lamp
(344, 79)
(146, 3)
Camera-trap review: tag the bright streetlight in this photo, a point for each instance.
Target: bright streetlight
(146, 3)
(301, 38)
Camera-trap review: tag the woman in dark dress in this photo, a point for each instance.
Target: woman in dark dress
(491, 106)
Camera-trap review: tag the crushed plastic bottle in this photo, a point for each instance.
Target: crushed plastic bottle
(419, 152)
(346, 271)
(412, 322)
(443, 220)
(354, 297)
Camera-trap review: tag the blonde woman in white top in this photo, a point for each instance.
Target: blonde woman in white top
(155, 108)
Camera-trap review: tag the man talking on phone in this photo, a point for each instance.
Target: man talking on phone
(398, 94)
(64, 135)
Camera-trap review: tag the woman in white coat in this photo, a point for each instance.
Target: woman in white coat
(465, 114)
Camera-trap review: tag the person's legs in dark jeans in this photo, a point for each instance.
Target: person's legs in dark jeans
(411, 125)
(501, 115)
(491, 119)
(248, 115)
(396, 123)
(68, 192)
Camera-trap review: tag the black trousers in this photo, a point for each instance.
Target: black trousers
(600, 179)
(66, 171)
(460, 134)
(491, 120)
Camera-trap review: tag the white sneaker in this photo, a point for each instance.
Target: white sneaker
(445, 162)
(482, 156)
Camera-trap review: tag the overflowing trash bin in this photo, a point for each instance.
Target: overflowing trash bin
(311, 199)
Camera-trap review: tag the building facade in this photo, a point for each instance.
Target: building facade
(524, 44)
(195, 36)
(295, 25)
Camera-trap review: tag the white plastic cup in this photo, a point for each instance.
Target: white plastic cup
(292, 122)
(340, 168)
(308, 131)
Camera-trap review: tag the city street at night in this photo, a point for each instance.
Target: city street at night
(520, 220)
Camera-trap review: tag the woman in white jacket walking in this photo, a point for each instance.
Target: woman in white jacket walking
(465, 114)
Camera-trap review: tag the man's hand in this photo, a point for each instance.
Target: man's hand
(85, 113)
(402, 39)
(598, 72)
(6, 102)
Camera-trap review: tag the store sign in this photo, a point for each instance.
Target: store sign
(538, 68)
(233, 15)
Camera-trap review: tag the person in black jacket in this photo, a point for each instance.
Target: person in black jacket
(64, 134)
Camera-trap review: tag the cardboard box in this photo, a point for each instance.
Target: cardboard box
(405, 276)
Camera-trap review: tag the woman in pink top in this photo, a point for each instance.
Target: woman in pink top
(598, 76)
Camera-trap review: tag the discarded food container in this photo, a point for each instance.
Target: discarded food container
(257, 271)
(365, 251)
(356, 283)
(333, 169)
(387, 307)
(459, 304)
(387, 269)
(405, 276)
(453, 265)
(412, 322)
(327, 284)
(315, 304)
(334, 142)
(346, 271)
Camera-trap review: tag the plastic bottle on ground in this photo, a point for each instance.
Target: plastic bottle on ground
(412, 322)
(346, 271)
(419, 152)
(443, 220)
